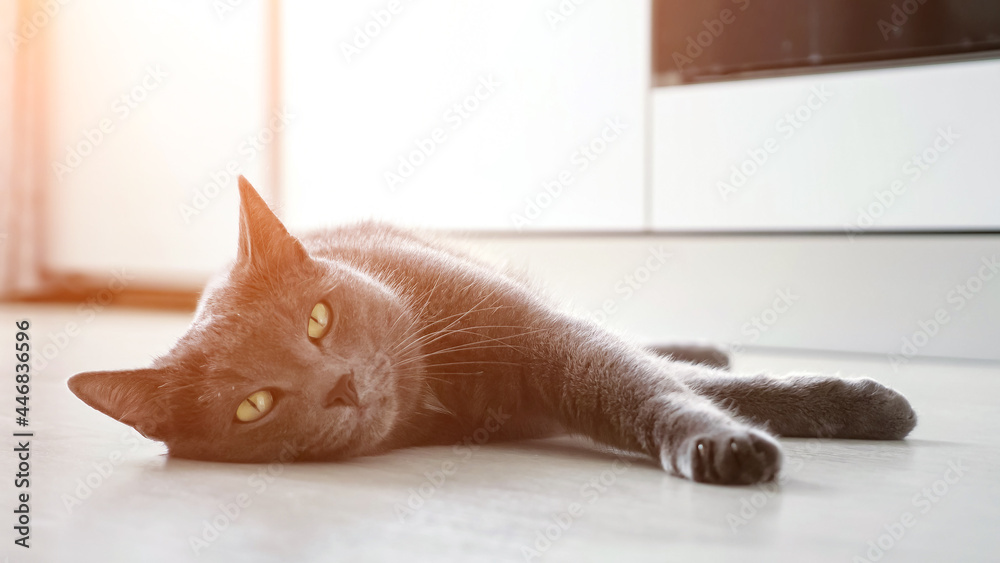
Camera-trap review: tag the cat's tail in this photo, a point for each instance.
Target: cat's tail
(695, 354)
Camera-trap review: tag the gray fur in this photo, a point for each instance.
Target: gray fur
(443, 346)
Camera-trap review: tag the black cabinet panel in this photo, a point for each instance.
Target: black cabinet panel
(697, 40)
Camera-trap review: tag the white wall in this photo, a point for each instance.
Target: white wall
(805, 292)
(856, 135)
(379, 87)
(194, 81)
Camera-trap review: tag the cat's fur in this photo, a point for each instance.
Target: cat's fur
(443, 346)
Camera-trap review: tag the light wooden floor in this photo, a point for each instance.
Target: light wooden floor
(101, 493)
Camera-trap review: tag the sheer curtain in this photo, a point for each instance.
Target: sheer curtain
(177, 89)
(21, 24)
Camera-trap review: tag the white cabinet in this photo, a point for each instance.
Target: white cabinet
(909, 148)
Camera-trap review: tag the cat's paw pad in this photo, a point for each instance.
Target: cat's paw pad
(884, 414)
(730, 457)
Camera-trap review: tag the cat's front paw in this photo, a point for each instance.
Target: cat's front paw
(879, 413)
(731, 456)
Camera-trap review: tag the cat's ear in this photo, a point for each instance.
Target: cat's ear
(263, 239)
(130, 396)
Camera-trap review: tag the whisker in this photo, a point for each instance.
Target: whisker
(480, 362)
(448, 351)
(441, 333)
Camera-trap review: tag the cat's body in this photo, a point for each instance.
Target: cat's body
(427, 346)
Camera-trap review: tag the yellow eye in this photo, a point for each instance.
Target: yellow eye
(319, 320)
(255, 406)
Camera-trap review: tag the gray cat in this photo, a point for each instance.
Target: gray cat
(362, 339)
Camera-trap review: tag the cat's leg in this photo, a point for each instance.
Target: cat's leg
(703, 444)
(631, 399)
(811, 405)
(695, 354)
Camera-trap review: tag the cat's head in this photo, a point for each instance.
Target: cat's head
(289, 356)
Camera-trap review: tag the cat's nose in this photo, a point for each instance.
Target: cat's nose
(344, 393)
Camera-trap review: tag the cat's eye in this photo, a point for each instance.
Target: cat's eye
(255, 406)
(319, 320)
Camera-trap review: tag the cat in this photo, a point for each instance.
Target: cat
(358, 340)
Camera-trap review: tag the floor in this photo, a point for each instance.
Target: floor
(99, 492)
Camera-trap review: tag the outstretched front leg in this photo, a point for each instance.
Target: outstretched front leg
(624, 396)
(810, 405)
